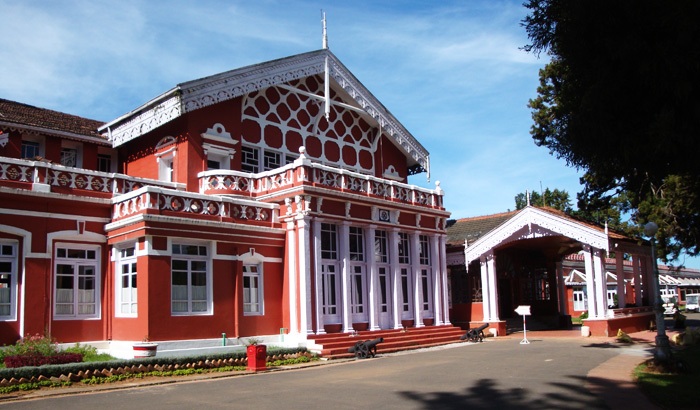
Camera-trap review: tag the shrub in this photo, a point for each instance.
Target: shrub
(35, 359)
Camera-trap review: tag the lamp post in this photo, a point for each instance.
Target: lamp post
(663, 348)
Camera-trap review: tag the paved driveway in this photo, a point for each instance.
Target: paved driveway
(545, 374)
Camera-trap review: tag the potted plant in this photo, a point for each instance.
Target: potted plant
(145, 348)
(257, 355)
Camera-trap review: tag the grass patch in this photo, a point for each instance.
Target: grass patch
(672, 389)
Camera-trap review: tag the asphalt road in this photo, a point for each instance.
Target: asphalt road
(545, 374)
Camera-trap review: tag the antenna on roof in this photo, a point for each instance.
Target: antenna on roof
(527, 195)
(325, 32)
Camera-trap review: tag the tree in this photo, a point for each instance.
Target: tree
(618, 99)
(557, 199)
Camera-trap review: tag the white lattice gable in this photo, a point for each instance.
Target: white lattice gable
(204, 92)
(531, 223)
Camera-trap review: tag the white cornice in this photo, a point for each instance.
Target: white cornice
(204, 92)
(533, 223)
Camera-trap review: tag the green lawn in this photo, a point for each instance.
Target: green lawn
(673, 391)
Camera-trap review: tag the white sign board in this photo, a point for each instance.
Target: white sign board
(523, 310)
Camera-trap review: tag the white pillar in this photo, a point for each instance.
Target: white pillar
(417, 282)
(318, 296)
(561, 288)
(637, 281)
(590, 282)
(292, 277)
(344, 248)
(444, 280)
(374, 297)
(649, 280)
(493, 286)
(601, 282)
(304, 254)
(396, 277)
(485, 300)
(620, 268)
(435, 264)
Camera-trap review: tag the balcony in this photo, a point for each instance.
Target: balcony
(305, 173)
(48, 177)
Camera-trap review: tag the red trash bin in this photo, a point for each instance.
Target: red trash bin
(257, 357)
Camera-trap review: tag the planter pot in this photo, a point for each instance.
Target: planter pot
(257, 357)
(333, 328)
(142, 350)
(359, 327)
(407, 323)
(428, 321)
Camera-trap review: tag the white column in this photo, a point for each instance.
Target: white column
(374, 298)
(305, 321)
(444, 279)
(561, 288)
(417, 282)
(601, 282)
(590, 282)
(318, 296)
(292, 277)
(637, 280)
(485, 300)
(435, 265)
(396, 277)
(620, 268)
(344, 248)
(493, 286)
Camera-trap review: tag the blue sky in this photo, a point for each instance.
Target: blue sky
(450, 71)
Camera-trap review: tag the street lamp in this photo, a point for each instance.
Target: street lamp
(663, 348)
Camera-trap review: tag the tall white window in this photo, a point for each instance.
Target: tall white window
(404, 254)
(126, 283)
(357, 247)
(190, 282)
(579, 300)
(381, 247)
(424, 257)
(252, 290)
(330, 289)
(8, 280)
(329, 241)
(76, 281)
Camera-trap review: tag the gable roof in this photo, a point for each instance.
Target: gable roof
(196, 94)
(26, 117)
(488, 232)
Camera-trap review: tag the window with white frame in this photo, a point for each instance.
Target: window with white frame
(8, 280)
(357, 290)
(77, 282)
(30, 149)
(190, 281)
(252, 290)
(271, 160)
(579, 299)
(71, 154)
(127, 282)
(381, 246)
(329, 241)
(424, 256)
(104, 163)
(250, 160)
(357, 244)
(404, 254)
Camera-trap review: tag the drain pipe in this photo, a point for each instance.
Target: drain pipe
(223, 339)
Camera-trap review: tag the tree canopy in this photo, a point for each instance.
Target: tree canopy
(619, 100)
(557, 199)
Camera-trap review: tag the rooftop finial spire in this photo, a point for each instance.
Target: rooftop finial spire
(325, 32)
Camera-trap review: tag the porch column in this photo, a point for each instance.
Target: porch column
(305, 321)
(344, 248)
(620, 268)
(561, 288)
(648, 275)
(637, 281)
(292, 277)
(435, 264)
(590, 282)
(485, 301)
(373, 298)
(417, 282)
(318, 296)
(601, 282)
(396, 277)
(443, 279)
(493, 286)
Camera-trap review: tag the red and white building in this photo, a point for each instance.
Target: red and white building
(267, 199)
